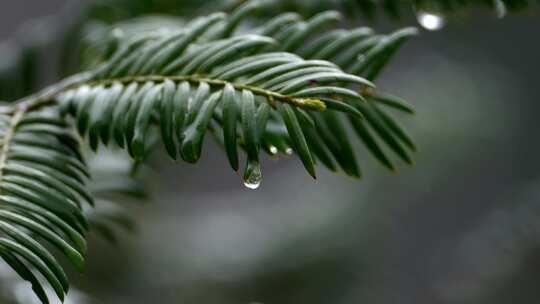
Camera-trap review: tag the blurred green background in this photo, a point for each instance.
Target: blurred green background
(460, 227)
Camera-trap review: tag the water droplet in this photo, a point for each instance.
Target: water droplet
(361, 58)
(253, 175)
(273, 150)
(500, 9)
(117, 33)
(289, 151)
(430, 21)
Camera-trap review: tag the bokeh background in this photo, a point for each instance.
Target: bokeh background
(462, 226)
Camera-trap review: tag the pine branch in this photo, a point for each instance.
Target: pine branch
(358, 51)
(41, 192)
(224, 76)
(275, 88)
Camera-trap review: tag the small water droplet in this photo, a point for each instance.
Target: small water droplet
(500, 9)
(117, 33)
(361, 58)
(289, 151)
(253, 176)
(273, 150)
(430, 21)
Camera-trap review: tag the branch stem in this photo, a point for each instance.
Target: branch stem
(305, 103)
(8, 137)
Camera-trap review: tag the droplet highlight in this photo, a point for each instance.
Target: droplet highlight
(273, 150)
(431, 21)
(289, 151)
(118, 33)
(500, 9)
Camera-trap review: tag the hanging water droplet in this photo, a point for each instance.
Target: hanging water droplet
(430, 21)
(289, 151)
(500, 8)
(253, 175)
(273, 150)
